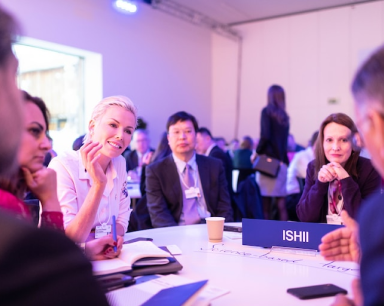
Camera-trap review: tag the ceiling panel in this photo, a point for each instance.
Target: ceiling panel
(238, 11)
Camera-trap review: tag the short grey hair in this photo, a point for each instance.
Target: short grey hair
(104, 104)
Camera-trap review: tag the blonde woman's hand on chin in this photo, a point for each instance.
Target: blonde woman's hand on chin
(340, 171)
(90, 155)
(43, 184)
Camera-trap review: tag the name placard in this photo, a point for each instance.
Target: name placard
(268, 233)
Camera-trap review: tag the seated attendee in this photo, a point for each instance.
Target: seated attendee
(38, 266)
(298, 166)
(40, 181)
(91, 182)
(338, 178)
(33, 176)
(184, 188)
(242, 157)
(142, 151)
(205, 145)
(221, 143)
(233, 146)
(296, 174)
(254, 153)
(162, 151)
(293, 147)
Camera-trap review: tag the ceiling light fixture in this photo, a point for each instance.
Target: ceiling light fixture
(126, 7)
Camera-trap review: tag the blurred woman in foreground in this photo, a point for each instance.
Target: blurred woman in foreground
(34, 177)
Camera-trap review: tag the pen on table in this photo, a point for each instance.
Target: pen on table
(114, 231)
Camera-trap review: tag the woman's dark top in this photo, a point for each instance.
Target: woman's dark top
(273, 138)
(313, 204)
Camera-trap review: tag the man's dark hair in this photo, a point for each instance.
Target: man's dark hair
(182, 116)
(205, 131)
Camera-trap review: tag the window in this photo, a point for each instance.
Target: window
(62, 79)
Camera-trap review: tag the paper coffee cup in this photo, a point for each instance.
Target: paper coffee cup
(215, 226)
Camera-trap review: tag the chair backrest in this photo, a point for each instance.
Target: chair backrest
(248, 199)
(142, 214)
(244, 173)
(301, 183)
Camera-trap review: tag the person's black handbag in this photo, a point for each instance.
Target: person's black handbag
(267, 165)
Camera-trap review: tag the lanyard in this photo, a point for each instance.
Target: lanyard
(334, 201)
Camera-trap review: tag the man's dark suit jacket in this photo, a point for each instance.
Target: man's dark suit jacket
(164, 193)
(218, 153)
(371, 227)
(43, 267)
(132, 159)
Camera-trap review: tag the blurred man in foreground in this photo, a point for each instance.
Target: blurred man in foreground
(363, 241)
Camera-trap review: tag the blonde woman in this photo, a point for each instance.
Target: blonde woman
(92, 181)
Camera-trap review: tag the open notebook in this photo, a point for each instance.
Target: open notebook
(130, 254)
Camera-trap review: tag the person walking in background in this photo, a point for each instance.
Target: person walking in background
(273, 143)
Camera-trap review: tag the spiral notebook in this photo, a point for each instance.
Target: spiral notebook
(130, 254)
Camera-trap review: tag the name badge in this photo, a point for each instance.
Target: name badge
(334, 219)
(102, 230)
(193, 192)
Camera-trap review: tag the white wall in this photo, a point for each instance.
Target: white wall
(162, 63)
(224, 90)
(313, 56)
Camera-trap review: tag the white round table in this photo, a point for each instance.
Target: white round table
(250, 280)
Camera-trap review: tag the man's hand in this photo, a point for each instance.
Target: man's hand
(342, 244)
